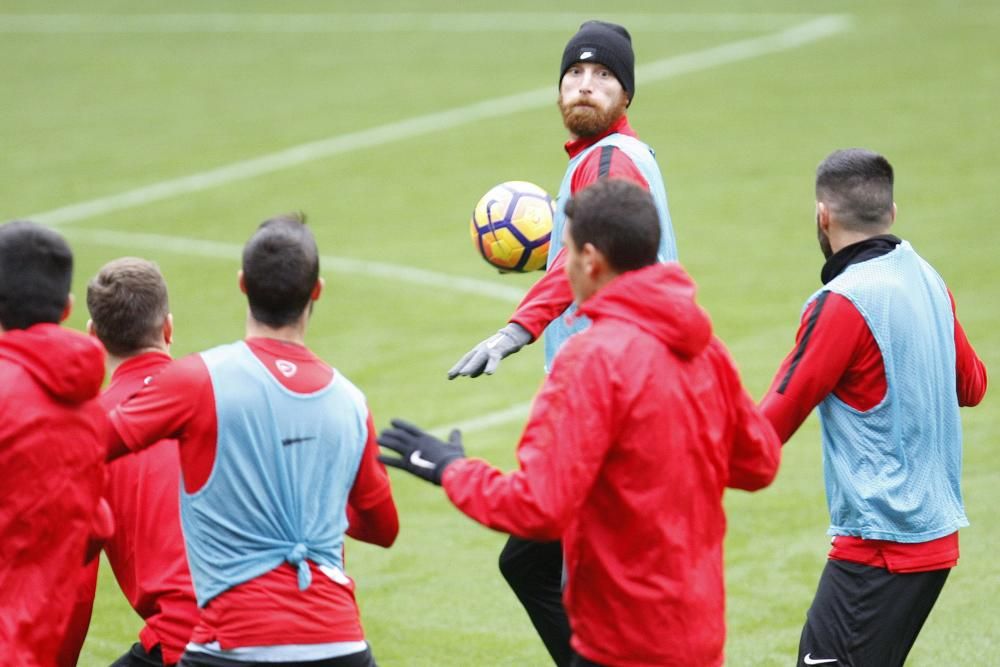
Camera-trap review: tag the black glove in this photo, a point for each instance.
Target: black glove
(420, 452)
(485, 357)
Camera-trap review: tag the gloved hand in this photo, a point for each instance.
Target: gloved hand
(485, 357)
(420, 452)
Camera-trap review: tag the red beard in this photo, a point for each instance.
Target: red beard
(584, 120)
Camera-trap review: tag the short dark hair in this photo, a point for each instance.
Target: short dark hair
(128, 305)
(618, 218)
(857, 184)
(36, 271)
(280, 269)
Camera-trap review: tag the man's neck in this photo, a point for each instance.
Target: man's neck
(863, 250)
(114, 361)
(843, 238)
(290, 333)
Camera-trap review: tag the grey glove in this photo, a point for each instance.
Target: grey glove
(485, 357)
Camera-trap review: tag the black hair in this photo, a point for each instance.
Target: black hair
(857, 184)
(618, 218)
(280, 269)
(36, 271)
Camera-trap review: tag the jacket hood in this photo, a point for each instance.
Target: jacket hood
(68, 364)
(659, 299)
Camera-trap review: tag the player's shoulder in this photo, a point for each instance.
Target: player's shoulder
(188, 371)
(12, 374)
(718, 354)
(607, 161)
(607, 342)
(342, 383)
(219, 353)
(603, 151)
(828, 307)
(189, 364)
(18, 387)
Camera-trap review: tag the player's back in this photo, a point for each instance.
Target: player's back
(146, 553)
(286, 460)
(644, 554)
(51, 474)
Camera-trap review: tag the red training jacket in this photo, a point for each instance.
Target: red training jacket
(51, 473)
(146, 552)
(635, 433)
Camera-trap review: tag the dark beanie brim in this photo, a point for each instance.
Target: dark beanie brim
(606, 43)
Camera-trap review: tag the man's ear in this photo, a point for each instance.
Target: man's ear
(242, 281)
(67, 309)
(168, 329)
(593, 261)
(823, 217)
(317, 289)
(892, 217)
(91, 329)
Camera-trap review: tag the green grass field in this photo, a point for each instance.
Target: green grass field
(405, 114)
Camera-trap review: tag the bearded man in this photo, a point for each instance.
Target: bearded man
(596, 87)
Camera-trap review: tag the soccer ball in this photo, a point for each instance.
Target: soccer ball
(511, 226)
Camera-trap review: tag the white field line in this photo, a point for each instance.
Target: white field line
(496, 418)
(731, 52)
(493, 22)
(786, 39)
(232, 251)
(132, 242)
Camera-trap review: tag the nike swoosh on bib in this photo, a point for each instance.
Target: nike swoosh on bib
(294, 441)
(809, 660)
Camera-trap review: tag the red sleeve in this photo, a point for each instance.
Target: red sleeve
(756, 449)
(552, 294)
(560, 454)
(371, 511)
(177, 403)
(79, 622)
(164, 406)
(608, 162)
(969, 368)
(834, 352)
(546, 300)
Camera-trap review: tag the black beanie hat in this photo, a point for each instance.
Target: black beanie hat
(606, 43)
